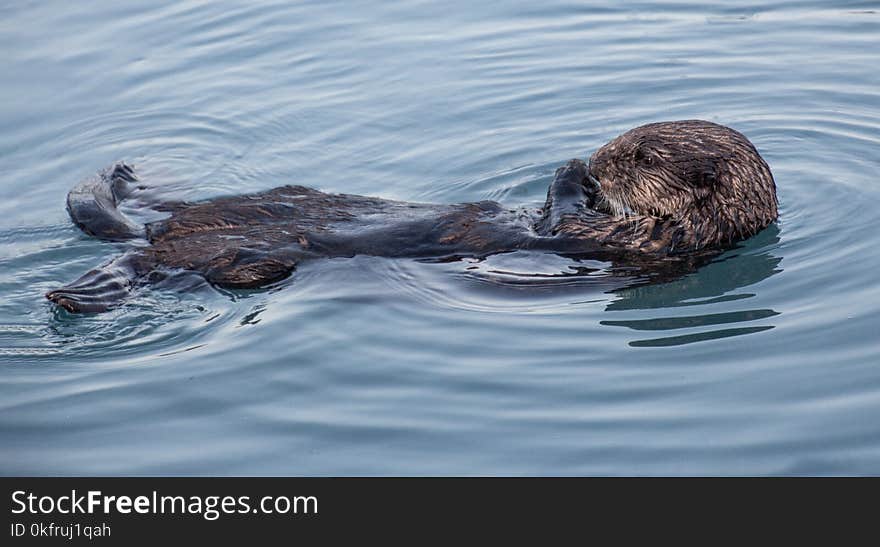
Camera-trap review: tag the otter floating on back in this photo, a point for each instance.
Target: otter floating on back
(659, 192)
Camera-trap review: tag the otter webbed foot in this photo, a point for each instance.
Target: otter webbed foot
(98, 290)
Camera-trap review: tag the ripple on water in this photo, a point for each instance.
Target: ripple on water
(762, 361)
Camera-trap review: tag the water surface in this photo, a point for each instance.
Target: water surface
(763, 362)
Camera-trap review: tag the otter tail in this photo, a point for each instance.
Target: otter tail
(92, 204)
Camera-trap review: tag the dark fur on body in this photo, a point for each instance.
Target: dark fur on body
(660, 191)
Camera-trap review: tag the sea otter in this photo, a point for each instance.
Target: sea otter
(659, 192)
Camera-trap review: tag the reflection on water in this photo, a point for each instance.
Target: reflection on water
(714, 283)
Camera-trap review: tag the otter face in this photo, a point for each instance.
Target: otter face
(706, 177)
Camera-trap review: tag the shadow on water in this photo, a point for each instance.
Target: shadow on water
(717, 282)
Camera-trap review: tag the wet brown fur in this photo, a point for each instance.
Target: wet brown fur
(687, 185)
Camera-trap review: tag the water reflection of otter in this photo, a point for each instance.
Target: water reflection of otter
(661, 194)
(716, 282)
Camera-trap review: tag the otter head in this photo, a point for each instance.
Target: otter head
(706, 178)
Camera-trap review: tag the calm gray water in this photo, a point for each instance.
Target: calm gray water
(764, 362)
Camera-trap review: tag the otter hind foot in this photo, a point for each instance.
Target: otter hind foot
(82, 301)
(97, 290)
(91, 293)
(93, 204)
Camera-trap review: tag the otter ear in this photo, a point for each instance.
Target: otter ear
(644, 157)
